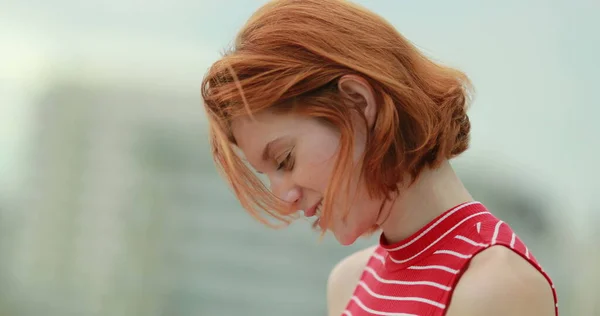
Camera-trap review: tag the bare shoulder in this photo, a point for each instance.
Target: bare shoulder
(500, 282)
(343, 279)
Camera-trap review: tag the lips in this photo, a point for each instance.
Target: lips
(312, 211)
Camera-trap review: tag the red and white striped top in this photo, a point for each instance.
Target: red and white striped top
(416, 276)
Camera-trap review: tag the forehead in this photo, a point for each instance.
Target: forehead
(251, 134)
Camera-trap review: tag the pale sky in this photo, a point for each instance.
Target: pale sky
(534, 65)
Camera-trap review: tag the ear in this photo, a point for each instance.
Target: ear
(357, 90)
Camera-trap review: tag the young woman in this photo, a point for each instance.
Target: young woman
(352, 125)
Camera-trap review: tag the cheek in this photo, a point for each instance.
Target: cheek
(359, 222)
(313, 175)
(314, 167)
(361, 219)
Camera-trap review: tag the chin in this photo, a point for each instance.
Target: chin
(346, 238)
(346, 241)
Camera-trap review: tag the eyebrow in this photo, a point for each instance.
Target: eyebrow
(267, 151)
(268, 148)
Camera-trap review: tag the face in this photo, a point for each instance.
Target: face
(298, 154)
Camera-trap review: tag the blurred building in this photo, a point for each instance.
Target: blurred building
(123, 213)
(126, 215)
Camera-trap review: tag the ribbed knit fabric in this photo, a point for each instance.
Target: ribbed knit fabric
(417, 276)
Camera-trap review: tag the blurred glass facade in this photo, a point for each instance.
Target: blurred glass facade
(110, 203)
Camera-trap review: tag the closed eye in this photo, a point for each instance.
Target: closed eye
(287, 163)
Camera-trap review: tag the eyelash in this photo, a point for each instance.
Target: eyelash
(287, 163)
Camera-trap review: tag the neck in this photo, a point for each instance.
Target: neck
(434, 192)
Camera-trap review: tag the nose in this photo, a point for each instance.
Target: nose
(285, 190)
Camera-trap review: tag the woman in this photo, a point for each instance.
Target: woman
(355, 127)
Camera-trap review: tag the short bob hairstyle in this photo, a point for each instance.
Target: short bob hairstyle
(288, 58)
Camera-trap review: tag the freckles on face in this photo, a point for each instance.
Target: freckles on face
(311, 147)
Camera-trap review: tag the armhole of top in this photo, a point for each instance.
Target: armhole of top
(529, 260)
(372, 256)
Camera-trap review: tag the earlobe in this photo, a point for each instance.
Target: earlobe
(357, 90)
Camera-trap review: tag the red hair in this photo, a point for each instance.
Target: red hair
(289, 57)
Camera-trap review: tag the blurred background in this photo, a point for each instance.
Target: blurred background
(110, 203)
